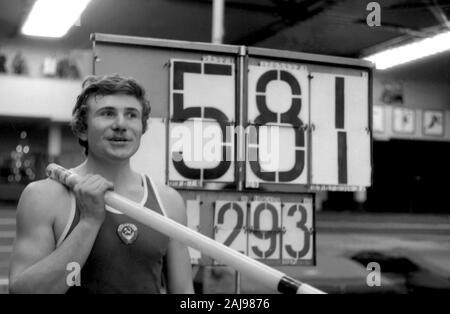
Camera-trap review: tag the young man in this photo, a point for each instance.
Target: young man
(60, 232)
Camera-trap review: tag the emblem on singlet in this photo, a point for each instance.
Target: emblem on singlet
(127, 232)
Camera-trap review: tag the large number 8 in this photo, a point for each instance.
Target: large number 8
(290, 117)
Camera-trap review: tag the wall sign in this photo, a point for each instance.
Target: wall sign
(433, 122)
(378, 119)
(403, 120)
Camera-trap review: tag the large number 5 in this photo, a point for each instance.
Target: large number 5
(289, 117)
(181, 114)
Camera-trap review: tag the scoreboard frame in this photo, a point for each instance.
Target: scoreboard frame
(129, 56)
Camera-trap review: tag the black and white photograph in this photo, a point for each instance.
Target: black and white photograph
(227, 152)
(404, 120)
(378, 119)
(433, 122)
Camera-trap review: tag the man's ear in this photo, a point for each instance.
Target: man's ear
(82, 135)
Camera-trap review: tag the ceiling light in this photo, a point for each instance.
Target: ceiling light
(53, 18)
(410, 52)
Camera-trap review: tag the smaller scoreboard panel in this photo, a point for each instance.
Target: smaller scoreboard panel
(276, 231)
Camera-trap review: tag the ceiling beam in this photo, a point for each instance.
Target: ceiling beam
(438, 13)
(291, 13)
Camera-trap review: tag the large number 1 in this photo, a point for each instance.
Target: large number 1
(340, 126)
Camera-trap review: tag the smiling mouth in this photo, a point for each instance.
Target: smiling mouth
(118, 140)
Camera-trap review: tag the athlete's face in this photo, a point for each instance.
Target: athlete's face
(114, 126)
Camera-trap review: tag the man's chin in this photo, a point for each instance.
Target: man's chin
(114, 154)
(118, 155)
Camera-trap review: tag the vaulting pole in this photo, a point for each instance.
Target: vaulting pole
(266, 275)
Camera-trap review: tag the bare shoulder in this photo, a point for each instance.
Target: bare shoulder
(39, 200)
(173, 202)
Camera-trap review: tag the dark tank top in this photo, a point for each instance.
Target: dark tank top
(123, 260)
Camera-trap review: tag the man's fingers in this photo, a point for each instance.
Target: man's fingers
(93, 185)
(101, 187)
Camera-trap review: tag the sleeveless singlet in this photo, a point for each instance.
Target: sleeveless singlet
(115, 265)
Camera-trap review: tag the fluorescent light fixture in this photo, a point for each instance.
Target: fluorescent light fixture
(53, 18)
(410, 52)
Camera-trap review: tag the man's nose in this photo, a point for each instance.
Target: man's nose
(119, 122)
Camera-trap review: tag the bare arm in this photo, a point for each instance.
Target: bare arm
(37, 266)
(179, 269)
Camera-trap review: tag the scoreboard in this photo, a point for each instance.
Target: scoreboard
(247, 135)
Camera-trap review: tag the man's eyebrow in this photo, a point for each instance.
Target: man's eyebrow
(132, 109)
(106, 108)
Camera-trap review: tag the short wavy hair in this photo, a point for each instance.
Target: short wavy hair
(114, 84)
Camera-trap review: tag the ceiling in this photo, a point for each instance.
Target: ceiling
(315, 26)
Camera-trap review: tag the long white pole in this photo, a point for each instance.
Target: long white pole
(217, 21)
(266, 275)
